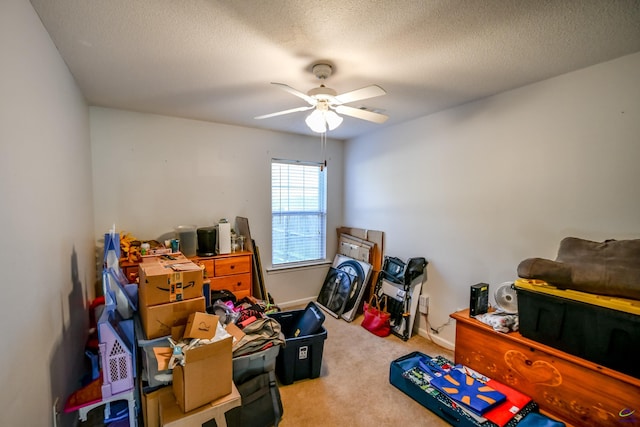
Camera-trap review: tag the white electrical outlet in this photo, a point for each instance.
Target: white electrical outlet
(424, 304)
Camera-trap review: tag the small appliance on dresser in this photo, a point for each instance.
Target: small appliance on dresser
(206, 241)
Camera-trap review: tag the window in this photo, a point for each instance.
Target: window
(298, 212)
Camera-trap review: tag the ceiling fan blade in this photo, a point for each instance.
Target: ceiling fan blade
(361, 114)
(358, 94)
(280, 113)
(296, 92)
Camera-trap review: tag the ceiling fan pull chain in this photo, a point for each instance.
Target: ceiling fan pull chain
(323, 150)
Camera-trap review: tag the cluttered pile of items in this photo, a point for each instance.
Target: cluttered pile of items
(565, 333)
(360, 276)
(176, 353)
(586, 302)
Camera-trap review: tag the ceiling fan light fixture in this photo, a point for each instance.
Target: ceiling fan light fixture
(333, 120)
(329, 107)
(316, 121)
(321, 118)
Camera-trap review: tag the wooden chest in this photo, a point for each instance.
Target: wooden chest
(573, 390)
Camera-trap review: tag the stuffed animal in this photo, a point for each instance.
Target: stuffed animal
(609, 268)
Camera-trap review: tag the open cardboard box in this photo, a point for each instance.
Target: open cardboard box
(206, 375)
(201, 325)
(163, 354)
(208, 370)
(204, 326)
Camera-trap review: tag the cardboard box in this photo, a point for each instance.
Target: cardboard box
(235, 332)
(161, 283)
(201, 325)
(162, 357)
(206, 375)
(172, 416)
(151, 405)
(165, 258)
(177, 331)
(157, 320)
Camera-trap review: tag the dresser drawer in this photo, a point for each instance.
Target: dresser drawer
(208, 266)
(242, 294)
(236, 283)
(232, 265)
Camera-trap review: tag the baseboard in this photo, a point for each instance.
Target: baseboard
(436, 339)
(422, 332)
(295, 303)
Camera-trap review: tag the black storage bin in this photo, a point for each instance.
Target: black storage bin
(301, 356)
(603, 335)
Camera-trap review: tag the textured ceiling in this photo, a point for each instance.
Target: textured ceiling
(214, 60)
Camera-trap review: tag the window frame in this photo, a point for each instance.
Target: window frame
(322, 212)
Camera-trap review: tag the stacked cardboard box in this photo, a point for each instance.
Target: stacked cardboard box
(212, 413)
(170, 290)
(204, 379)
(207, 372)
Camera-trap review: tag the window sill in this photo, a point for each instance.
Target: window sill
(298, 266)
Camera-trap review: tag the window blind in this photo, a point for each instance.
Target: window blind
(298, 212)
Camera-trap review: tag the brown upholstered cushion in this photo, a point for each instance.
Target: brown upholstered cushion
(610, 268)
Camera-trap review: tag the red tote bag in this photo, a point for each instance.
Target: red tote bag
(376, 318)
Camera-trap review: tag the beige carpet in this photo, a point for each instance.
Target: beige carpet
(353, 388)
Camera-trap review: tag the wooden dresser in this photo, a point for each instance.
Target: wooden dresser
(571, 389)
(130, 270)
(231, 271)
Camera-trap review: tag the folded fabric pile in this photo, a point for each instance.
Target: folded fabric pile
(499, 321)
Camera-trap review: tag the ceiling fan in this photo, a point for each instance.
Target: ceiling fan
(326, 103)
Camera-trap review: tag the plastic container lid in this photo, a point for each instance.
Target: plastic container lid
(186, 228)
(614, 303)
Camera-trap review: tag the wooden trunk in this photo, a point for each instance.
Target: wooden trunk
(573, 390)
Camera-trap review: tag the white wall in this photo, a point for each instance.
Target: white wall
(479, 188)
(46, 256)
(152, 173)
(475, 190)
